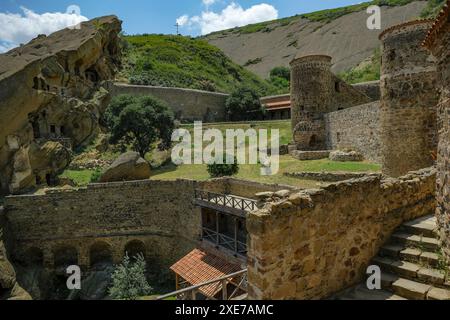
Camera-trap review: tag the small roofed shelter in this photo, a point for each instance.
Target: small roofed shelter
(201, 266)
(277, 107)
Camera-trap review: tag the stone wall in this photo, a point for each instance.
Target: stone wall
(438, 41)
(188, 105)
(158, 214)
(370, 89)
(408, 99)
(318, 242)
(355, 128)
(315, 91)
(330, 176)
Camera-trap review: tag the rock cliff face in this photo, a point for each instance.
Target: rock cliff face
(51, 97)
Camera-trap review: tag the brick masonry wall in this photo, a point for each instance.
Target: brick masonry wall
(159, 213)
(318, 242)
(188, 105)
(356, 128)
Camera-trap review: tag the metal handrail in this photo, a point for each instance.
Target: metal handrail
(224, 241)
(226, 200)
(196, 287)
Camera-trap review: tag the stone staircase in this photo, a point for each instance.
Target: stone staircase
(411, 265)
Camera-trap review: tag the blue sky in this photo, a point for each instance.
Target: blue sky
(149, 16)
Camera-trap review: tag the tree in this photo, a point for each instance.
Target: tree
(244, 104)
(280, 77)
(140, 122)
(281, 72)
(217, 170)
(128, 279)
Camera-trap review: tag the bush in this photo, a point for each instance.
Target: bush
(129, 280)
(217, 170)
(281, 72)
(244, 104)
(96, 175)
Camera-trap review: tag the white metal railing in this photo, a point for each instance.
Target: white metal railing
(190, 293)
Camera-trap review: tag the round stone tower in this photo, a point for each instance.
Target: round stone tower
(311, 97)
(408, 99)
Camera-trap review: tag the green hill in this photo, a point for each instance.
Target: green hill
(178, 61)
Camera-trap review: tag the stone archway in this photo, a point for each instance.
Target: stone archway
(100, 253)
(135, 247)
(64, 256)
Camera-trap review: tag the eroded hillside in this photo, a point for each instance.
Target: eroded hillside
(341, 34)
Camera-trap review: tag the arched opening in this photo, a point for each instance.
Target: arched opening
(36, 83)
(100, 253)
(65, 256)
(49, 179)
(313, 141)
(337, 86)
(135, 247)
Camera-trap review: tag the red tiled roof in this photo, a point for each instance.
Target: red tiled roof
(278, 105)
(200, 267)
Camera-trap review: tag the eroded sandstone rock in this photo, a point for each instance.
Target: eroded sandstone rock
(51, 90)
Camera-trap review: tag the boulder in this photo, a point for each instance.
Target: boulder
(127, 167)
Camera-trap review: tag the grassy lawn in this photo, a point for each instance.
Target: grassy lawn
(80, 177)
(248, 172)
(252, 172)
(283, 125)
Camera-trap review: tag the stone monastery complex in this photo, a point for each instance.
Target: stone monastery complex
(229, 238)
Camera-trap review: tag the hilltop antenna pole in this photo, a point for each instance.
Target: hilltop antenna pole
(178, 28)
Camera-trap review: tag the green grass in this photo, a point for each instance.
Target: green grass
(177, 61)
(249, 172)
(369, 72)
(283, 125)
(80, 177)
(432, 9)
(252, 172)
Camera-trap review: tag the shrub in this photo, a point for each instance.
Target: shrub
(96, 175)
(217, 170)
(128, 279)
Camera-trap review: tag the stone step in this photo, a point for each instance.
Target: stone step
(438, 294)
(424, 226)
(425, 258)
(411, 289)
(360, 292)
(415, 241)
(412, 271)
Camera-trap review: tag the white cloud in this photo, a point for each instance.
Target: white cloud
(21, 28)
(232, 16)
(208, 2)
(183, 20)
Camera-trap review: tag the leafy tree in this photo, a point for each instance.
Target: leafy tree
(140, 121)
(244, 104)
(281, 72)
(128, 279)
(217, 170)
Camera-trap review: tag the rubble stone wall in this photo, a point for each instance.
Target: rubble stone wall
(317, 242)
